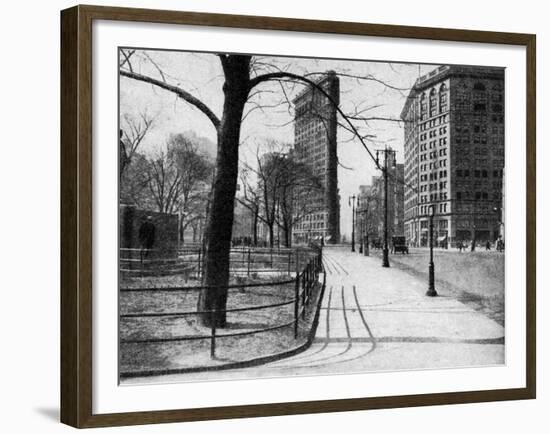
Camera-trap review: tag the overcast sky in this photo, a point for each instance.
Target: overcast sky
(201, 75)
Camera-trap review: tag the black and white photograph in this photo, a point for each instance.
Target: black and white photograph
(286, 216)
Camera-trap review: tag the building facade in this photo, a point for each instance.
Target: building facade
(370, 204)
(454, 155)
(315, 144)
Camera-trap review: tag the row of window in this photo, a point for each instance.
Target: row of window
(433, 197)
(433, 143)
(434, 122)
(478, 173)
(478, 195)
(310, 225)
(433, 176)
(433, 133)
(425, 210)
(434, 165)
(434, 154)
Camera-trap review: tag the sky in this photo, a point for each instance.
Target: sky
(268, 116)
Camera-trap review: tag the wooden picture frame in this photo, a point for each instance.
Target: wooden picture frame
(76, 215)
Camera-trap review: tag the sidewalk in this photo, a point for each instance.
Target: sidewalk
(396, 305)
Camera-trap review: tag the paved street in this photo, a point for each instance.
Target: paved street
(375, 318)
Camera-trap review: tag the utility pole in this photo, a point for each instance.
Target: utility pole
(352, 199)
(387, 152)
(365, 227)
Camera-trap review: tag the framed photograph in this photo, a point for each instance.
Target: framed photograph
(267, 216)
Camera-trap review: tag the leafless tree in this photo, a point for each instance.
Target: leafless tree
(195, 171)
(133, 131)
(251, 200)
(164, 182)
(134, 183)
(298, 182)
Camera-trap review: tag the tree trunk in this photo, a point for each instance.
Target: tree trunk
(271, 236)
(255, 233)
(220, 216)
(288, 237)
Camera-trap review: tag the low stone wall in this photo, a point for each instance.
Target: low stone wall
(166, 230)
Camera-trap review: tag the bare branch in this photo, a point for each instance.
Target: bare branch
(183, 94)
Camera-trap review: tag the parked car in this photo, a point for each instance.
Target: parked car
(399, 244)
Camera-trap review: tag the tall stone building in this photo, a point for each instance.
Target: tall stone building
(454, 154)
(315, 144)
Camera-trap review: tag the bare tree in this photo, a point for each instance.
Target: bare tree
(195, 171)
(133, 131)
(298, 182)
(270, 172)
(251, 200)
(134, 183)
(164, 183)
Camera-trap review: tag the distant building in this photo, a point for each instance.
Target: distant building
(454, 154)
(367, 213)
(315, 145)
(370, 205)
(397, 186)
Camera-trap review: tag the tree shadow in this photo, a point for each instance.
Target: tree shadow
(246, 326)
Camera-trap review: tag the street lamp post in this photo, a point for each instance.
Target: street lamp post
(474, 238)
(352, 199)
(387, 152)
(431, 279)
(360, 232)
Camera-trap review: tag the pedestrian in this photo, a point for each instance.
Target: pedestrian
(488, 245)
(459, 246)
(146, 237)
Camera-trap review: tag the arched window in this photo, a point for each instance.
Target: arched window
(423, 106)
(433, 102)
(443, 98)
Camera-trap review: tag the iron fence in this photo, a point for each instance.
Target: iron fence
(304, 284)
(188, 261)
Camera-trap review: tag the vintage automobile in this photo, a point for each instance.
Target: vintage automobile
(399, 245)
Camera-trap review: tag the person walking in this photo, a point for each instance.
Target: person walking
(488, 245)
(146, 237)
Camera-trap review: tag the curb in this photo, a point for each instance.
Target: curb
(244, 363)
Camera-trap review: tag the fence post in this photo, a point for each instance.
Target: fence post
(304, 294)
(296, 305)
(309, 269)
(289, 257)
(199, 264)
(213, 333)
